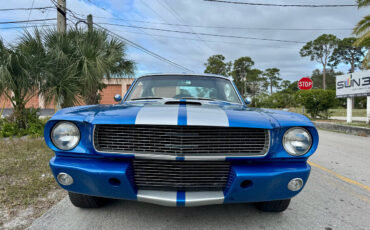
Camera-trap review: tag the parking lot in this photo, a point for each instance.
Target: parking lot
(337, 196)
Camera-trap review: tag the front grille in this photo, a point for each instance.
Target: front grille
(181, 140)
(181, 175)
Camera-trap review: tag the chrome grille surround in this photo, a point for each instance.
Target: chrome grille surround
(190, 142)
(171, 175)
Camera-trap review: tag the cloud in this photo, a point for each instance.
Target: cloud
(192, 51)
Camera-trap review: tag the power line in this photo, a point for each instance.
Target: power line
(25, 27)
(72, 12)
(32, 8)
(29, 14)
(145, 50)
(186, 38)
(143, 31)
(154, 11)
(181, 20)
(46, 15)
(205, 34)
(124, 19)
(99, 6)
(282, 5)
(224, 27)
(135, 45)
(26, 21)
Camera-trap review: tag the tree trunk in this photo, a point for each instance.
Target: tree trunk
(352, 66)
(270, 87)
(91, 98)
(18, 115)
(324, 78)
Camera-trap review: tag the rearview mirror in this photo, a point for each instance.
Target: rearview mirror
(117, 98)
(248, 100)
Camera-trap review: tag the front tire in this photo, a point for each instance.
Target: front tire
(85, 201)
(273, 206)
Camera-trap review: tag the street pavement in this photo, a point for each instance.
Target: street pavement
(337, 196)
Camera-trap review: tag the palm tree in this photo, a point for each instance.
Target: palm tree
(98, 57)
(77, 63)
(362, 30)
(20, 73)
(61, 84)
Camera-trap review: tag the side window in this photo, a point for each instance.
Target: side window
(229, 93)
(227, 90)
(138, 91)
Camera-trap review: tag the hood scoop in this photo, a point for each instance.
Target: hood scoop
(182, 103)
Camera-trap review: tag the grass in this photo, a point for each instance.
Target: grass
(343, 112)
(25, 179)
(360, 124)
(337, 112)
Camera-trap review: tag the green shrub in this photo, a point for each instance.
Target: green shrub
(34, 126)
(317, 102)
(8, 129)
(276, 100)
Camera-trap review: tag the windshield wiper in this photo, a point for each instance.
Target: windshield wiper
(145, 98)
(198, 98)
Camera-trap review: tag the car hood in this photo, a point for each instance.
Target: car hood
(183, 113)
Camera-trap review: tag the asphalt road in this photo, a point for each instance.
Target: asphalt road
(337, 196)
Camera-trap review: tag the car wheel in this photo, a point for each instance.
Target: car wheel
(85, 201)
(273, 206)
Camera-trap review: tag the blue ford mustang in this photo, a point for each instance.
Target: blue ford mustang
(181, 140)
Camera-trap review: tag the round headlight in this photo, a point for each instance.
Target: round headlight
(65, 135)
(297, 141)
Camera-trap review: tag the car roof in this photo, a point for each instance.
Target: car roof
(185, 74)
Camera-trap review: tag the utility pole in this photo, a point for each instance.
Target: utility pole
(61, 16)
(61, 28)
(90, 22)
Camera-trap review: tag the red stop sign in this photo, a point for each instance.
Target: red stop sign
(305, 83)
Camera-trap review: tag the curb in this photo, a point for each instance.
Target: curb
(354, 130)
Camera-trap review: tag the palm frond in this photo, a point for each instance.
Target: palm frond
(363, 3)
(362, 26)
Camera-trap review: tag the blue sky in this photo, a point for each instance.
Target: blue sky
(192, 51)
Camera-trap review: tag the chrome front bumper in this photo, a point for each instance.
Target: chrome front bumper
(188, 199)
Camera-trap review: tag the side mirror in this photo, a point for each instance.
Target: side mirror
(248, 100)
(117, 97)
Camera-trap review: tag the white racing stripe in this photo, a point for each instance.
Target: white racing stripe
(166, 198)
(203, 198)
(207, 116)
(157, 115)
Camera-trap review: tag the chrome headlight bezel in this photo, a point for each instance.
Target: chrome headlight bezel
(305, 133)
(76, 131)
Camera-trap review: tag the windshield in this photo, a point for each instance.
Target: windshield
(184, 87)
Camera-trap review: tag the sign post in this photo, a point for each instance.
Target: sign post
(349, 109)
(305, 84)
(354, 85)
(368, 110)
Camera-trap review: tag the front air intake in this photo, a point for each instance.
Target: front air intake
(181, 175)
(181, 141)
